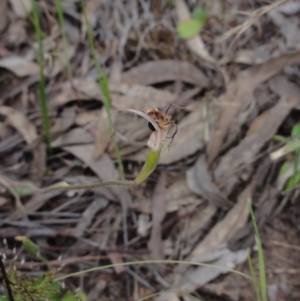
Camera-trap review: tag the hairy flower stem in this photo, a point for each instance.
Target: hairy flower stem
(148, 168)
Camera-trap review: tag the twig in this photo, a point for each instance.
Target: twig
(6, 280)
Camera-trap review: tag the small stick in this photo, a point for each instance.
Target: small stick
(6, 280)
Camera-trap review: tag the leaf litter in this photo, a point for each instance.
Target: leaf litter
(194, 207)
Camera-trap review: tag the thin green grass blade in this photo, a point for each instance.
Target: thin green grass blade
(132, 263)
(103, 83)
(261, 261)
(61, 20)
(253, 277)
(42, 84)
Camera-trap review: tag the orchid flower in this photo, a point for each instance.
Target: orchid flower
(160, 124)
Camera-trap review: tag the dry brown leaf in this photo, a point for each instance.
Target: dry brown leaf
(202, 275)
(103, 136)
(200, 182)
(288, 27)
(87, 117)
(19, 66)
(21, 7)
(139, 97)
(168, 296)
(3, 14)
(20, 123)
(222, 232)
(16, 34)
(260, 132)
(67, 96)
(165, 70)
(198, 225)
(155, 244)
(239, 93)
(178, 195)
(123, 96)
(195, 44)
(74, 136)
(34, 204)
(65, 121)
(116, 258)
(103, 167)
(213, 249)
(3, 201)
(60, 60)
(88, 87)
(227, 286)
(89, 213)
(290, 8)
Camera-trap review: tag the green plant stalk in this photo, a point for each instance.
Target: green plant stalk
(149, 166)
(132, 263)
(63, 34)
(42, 84)
(261, 261)
(102, 80)
(254, 280)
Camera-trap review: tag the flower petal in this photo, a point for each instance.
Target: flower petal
(146, 116)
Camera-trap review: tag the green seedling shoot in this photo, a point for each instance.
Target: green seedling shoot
(159, 123)
(191, 27)
(289, 170)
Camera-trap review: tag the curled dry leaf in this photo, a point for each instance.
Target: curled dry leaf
(239, 93)
(20, 123)
(165, 70)
(19, 66)
(200, 182)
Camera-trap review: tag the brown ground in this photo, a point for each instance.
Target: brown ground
(240, 81)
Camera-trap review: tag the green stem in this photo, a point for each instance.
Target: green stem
(42, 84)
(63, 34)
(63, 185)
(102, 80)
(148, 168)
